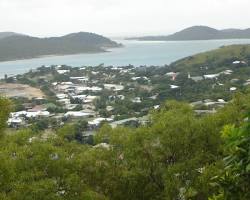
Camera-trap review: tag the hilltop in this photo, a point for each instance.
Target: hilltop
(200, 33)
(15, 46)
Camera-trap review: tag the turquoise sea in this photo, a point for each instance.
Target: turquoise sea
(134, 52)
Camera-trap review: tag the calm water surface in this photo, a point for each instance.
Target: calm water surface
(134, 52)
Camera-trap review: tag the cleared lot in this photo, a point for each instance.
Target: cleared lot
(20, 90)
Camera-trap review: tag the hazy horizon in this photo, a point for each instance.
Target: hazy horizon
(119, 18)
(122, 36)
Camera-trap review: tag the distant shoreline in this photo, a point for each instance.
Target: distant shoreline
(55, 55)
(14, 46)
(140, 39)
(197, 33)
(133, 53)
(105, 50)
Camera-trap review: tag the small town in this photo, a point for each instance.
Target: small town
(124, 100)
(51, 96)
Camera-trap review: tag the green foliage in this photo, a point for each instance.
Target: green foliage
(179, 155)
(73, 132)
(5, 108)
(233, 182)
(40, 125)
(222, 56)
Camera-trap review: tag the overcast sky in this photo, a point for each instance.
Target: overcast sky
(120, 17)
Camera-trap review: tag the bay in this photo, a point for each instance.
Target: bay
(136, 53)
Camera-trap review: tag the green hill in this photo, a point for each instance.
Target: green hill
(15, 46)
(200, 33)
(214, 60)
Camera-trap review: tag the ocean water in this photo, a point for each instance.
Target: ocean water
(134, 52)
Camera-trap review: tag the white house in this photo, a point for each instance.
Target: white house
(61, 71)
(80, 89)
(221, 101)
(109, 108)
(156, 107)
(174, 86)
(16, 121)
(97, 121)
(122, 97)
(233, 89)
(195, 78)
(77, 114)
(139, 77)
(34, 114)
(136, 100)
(67, 83)
(211, 76)
(236, 62)
(81, 97)
(114, 87)
(61, 96)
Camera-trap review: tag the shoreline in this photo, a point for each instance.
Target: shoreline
(55, 55)
(132, 53)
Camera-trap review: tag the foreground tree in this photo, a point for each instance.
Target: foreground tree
(177, 156)
(5, 108)
(234, 179)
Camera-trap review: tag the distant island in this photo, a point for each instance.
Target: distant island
(199, 33)
(14, 46)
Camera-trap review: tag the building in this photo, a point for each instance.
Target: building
(78, 114)
(97, 121)
(195, 78)
(211, 76)
(61, 71)
(113, 87)
(174, 86)
(122, 122)
(136, 100)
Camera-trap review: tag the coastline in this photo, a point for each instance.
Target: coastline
(132, 53)
(58, 55)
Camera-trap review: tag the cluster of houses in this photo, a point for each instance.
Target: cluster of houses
(215, 76)
(82, 92)
(79, 91)
(18, 119)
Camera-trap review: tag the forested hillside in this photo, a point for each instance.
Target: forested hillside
(215, 60)
(179, 155)
(200, 33)
(16, 46)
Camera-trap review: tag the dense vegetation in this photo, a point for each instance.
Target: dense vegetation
(21, 46)
(153, 85)
(177, 156)
(215, 60)
(200, 33)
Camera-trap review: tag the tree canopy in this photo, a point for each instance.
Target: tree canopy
(178, 155)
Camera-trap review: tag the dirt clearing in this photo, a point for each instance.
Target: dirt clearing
(20, 90)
